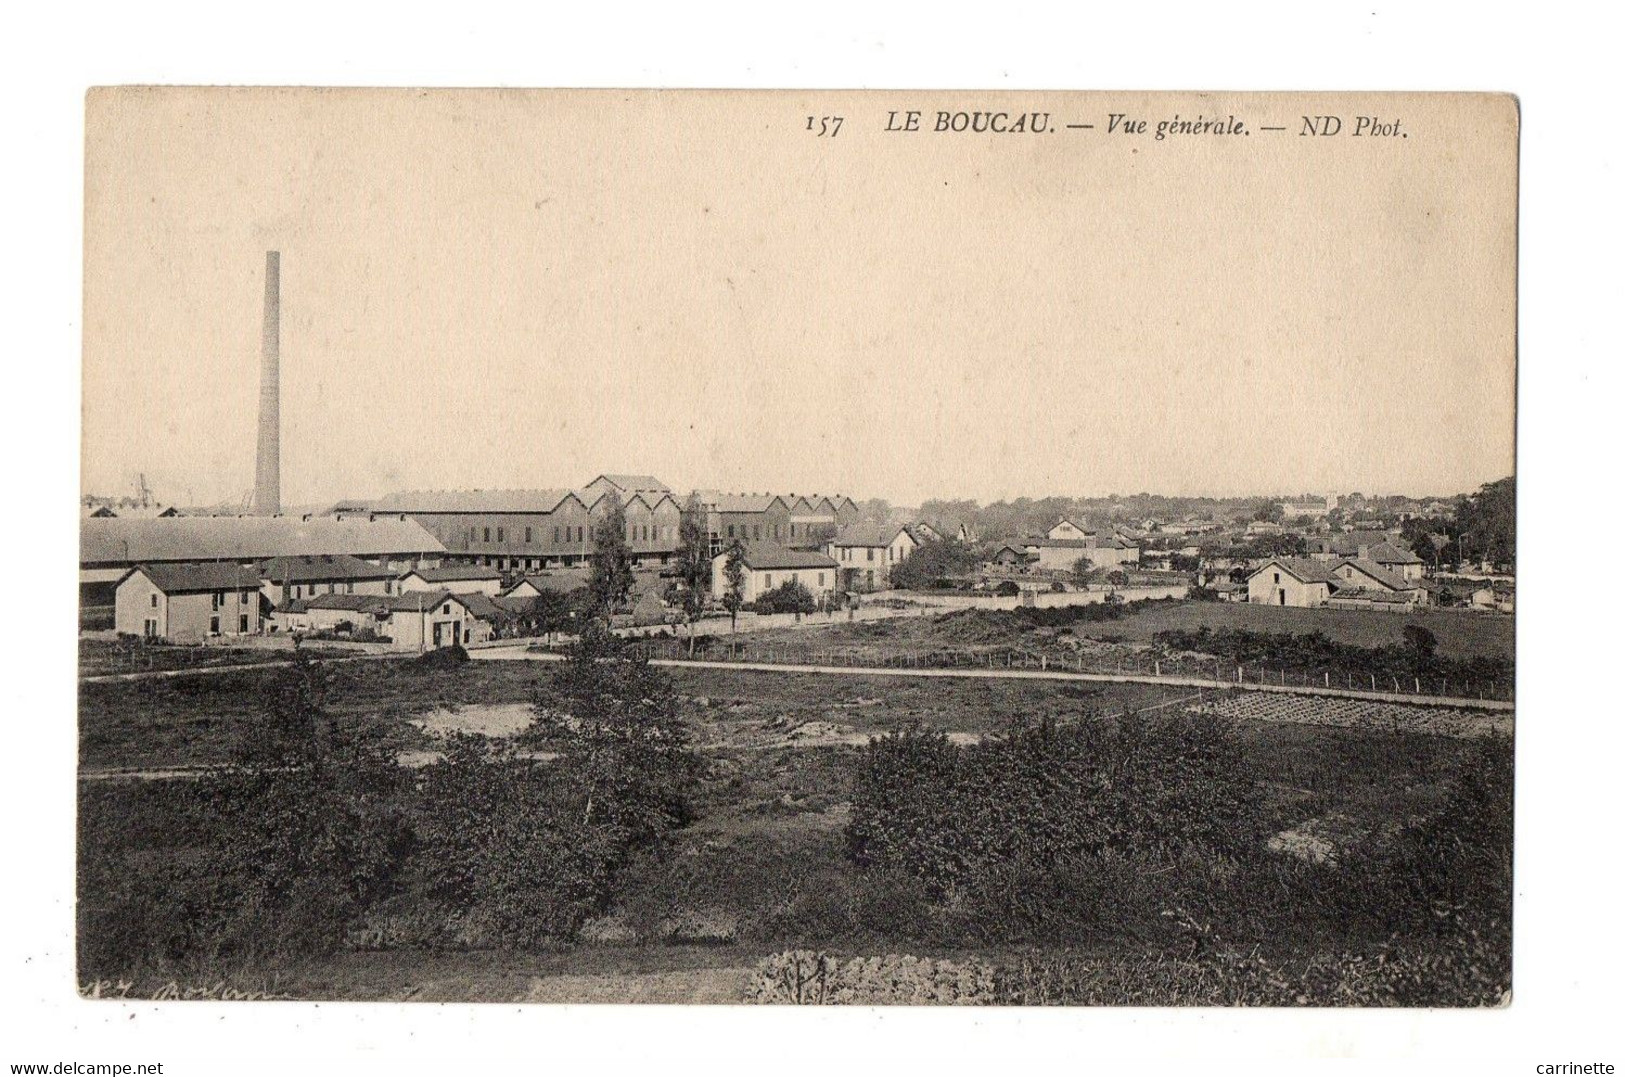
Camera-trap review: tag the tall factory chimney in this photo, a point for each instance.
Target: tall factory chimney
(268, 467)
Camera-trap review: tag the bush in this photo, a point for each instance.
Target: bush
(1315, 651)
(442, 658)
(1047, 803)
(791, 596)
(505, 842)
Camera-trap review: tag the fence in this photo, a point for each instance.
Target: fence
(1217, 673)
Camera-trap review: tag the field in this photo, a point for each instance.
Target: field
(99, 656)
(1436, 654)
(763, 867)
(1461, 633)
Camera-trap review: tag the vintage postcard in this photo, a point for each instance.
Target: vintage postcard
(798, 547)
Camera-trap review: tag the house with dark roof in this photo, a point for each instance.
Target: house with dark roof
(1066, 529)
(458, 579)
(1061, 554)
(868, 552)
(562, 581)
(188, 603)
(1366, 584)
(1291, 581)
(768, 566)
(415, 621)
(284, 579)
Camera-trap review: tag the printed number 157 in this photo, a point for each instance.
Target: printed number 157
(826, 125)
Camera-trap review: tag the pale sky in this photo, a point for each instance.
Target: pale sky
(507, 288)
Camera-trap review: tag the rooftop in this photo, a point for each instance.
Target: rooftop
(450, 573)
(246, 538)
(453, 501)
(868, 534)
(767, 555)
(320, 567)
(212, 576)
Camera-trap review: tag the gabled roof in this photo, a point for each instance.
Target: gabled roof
(869, 534)
(175, 579)
(246, 538)
(1386, 553)
(1372, 570)
(561, 582)
(450, 573)
(483, 607)
(768, 555)
(464, 501)
(321, 567)
(1348, 544)
(652, 498)
(741, 502)
(633, 483)
(1302, 569)
(377, 605)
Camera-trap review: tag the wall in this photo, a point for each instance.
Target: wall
(465, 534)
(1262, 589)
(818, 581)
(182, 618)
(456, 587)
(277, 592)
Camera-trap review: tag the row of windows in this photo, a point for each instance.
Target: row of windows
(776, 532)
(214, 625)
(311, 590)
(634, 533)
(767, 580)
(219, 598)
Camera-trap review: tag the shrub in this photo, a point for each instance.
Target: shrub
(505, 841)
(1048, 821)
(442, 658)
(791, 596)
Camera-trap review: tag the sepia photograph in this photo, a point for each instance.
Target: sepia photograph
(797, 547)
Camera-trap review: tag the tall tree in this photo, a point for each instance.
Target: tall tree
(611, 579)
(733, 570)
(693, 563)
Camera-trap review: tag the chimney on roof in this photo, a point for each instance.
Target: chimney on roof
(268, 464)
(1363, 552)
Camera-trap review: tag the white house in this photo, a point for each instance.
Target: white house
(769, 566)
(1291, 581)
(1067, 530)
(415, 621)
(867, 553)
(187, 603)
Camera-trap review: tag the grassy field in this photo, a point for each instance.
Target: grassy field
(1461, 633)
(99, 656)
(762, 869)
